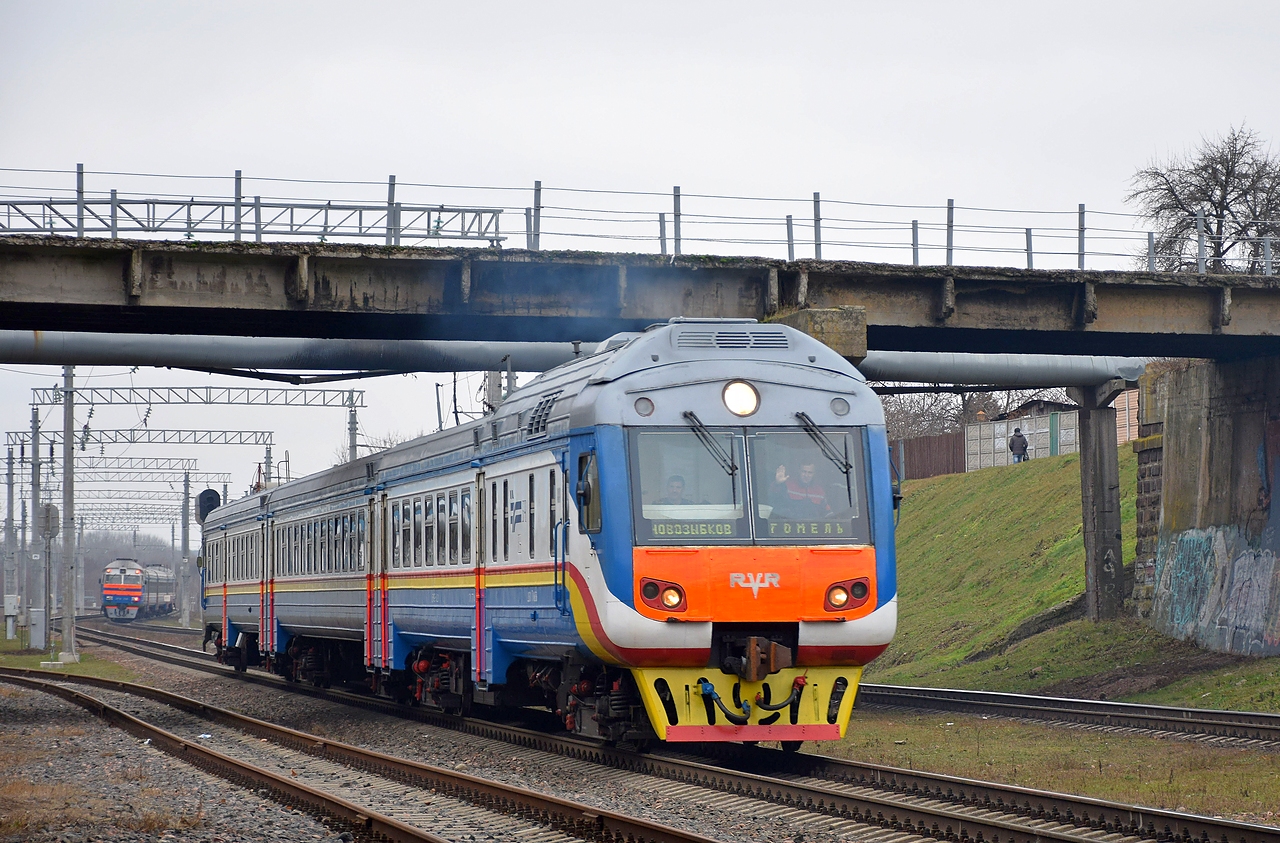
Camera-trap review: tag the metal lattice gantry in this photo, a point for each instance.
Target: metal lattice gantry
(100, 463)
(221, 395)
(148, 436)
(121, 494)
(143, 512)
(108, 476)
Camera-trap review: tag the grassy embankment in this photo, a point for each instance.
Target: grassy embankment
(980, 554)
(13, 656)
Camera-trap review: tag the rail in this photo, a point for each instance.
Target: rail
(967, 803)
(576, 818)
(1259, 726)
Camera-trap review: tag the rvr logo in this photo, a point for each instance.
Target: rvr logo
(755, 582)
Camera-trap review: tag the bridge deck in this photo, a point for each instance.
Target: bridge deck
(339, 290)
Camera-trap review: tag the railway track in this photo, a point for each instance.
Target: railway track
(898, 801)
(1252, 727)
(398, 797)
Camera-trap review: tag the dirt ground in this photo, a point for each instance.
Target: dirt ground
(1137, 678)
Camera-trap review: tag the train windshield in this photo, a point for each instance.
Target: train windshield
(113, 579)
(809, 487)
(133, 579)
(690, 487)
(743, 486)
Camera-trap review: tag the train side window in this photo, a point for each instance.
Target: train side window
(395, 535)
(466, 526)
(588, 493)
(551, 512)
(428, 529)
(360, 542)
(529, 514)
(406, 533)
(506, 522)
(442, 531)
(493, 530)
(453, 527)
(417, 532)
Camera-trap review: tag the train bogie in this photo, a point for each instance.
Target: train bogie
(687, 535)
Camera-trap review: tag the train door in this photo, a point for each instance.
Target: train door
(376, 585)
(263, 566)
(481, 628)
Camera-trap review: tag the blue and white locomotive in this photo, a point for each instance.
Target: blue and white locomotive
(686, 535)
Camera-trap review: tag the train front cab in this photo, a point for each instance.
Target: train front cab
(771, 547)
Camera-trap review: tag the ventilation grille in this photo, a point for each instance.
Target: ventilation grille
(732, 339)
(538, 418)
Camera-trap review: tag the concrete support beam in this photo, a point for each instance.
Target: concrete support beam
(1100, 497)
(843, 329)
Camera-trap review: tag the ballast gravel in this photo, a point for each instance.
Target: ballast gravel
(716, 815)
(68, 777)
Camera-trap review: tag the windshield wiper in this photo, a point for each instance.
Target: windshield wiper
(824, 444)
(708, 440)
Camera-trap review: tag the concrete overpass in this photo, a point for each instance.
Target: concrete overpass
(377, 292)
(324, 290)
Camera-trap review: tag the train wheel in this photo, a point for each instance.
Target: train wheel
(791, 746)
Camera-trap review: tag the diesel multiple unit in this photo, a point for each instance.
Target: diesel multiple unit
(687, 535)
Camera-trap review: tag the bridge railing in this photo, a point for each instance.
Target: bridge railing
(250, 219)
(667, 223)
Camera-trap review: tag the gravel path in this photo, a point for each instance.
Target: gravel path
(722, 816)
(68, 777)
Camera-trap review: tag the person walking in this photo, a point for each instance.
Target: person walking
(1018, 445)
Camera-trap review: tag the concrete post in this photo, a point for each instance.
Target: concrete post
(1200, 242)
(951, 228)
(79, 566)
(675, 219)
(915, 242)
(1151, 251)
(791, 239)
(391, 209)
(79, 200)
(115, 211)
(239, 204)
(68, 653)
(492, 391)
(1030, 252)
(817, 226)
(662, 232)
(1080, 242)
(537, 216)
(1100, 497)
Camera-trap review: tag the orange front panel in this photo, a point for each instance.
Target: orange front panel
(766, 584)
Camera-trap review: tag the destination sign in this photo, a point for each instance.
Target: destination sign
(679, 529)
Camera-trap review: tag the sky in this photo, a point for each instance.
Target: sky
(997, 105)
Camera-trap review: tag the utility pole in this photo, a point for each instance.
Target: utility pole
(68, 653)
(353, 426)
(38, 621)
(266, 468)
(186, 543)
(10, 559)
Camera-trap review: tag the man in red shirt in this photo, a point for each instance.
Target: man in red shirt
(800, 497)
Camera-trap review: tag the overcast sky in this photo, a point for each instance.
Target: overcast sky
(1000, 105)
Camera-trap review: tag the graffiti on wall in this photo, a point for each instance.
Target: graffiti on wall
(1220, 586)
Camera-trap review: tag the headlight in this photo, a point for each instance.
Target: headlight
(837, 596)
(741, 398)
(672, 597)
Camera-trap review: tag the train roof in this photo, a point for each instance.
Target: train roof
(681, 351)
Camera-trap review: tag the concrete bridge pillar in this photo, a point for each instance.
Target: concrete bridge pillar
(1100, 497)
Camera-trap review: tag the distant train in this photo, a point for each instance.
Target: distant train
(130, 591)
(686, 535)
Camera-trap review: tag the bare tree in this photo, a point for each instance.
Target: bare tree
(1234, 181)
(945, 409)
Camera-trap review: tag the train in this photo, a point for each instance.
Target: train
(685, 535)
(131, 591)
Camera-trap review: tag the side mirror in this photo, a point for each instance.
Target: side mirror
(584, 492)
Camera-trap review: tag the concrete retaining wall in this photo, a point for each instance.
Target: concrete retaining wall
(1215, 578)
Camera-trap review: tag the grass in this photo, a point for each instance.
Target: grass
(983, 552)
(12, 656)
(1175, 775)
